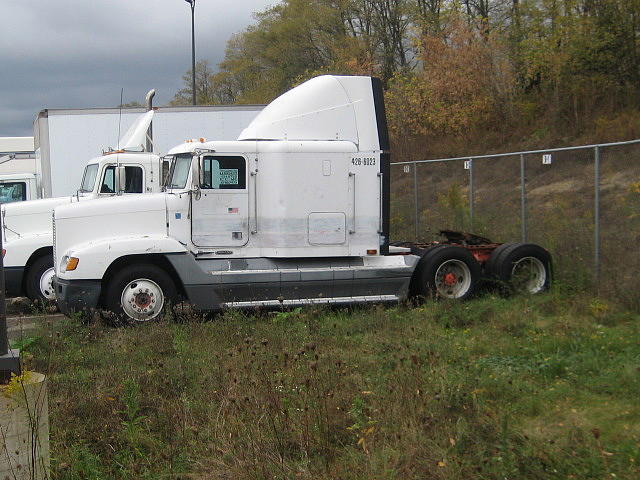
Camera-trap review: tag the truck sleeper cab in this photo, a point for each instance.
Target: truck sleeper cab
(223, 255)
(294, 212)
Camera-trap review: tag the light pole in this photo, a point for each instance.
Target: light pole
(192, 3)
(9, 358)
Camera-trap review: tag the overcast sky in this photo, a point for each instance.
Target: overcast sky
(79, 54)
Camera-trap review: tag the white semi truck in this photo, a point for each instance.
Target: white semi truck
(131, 169)
(296, 211)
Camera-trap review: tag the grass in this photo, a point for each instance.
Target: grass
(495, 388)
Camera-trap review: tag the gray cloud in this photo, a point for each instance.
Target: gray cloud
(74, 54)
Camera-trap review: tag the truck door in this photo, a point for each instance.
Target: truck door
(220, 217)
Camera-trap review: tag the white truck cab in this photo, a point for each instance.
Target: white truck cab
(18, 187)
(296, 211)
(18, 179)
(26, 225)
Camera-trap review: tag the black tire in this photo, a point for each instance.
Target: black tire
(489, 266)
(33, 277)
(456, 263)
(520, 268)
(124, 279)
(415, 290)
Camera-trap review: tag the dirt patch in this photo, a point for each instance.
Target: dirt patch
(618, 180)
(557, 187)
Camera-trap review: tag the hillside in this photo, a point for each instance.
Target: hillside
(526, 388)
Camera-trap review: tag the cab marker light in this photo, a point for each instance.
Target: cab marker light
(72, 263)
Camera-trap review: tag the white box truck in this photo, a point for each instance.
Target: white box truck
(65, 139)
(132, 169)
(17, 169)
(296, 211)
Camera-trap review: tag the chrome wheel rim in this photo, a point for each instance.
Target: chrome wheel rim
(529, 275)
(453, 279)
(46, 284)
(142, 299)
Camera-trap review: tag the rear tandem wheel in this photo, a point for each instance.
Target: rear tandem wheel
(447, 271)
(520, 268)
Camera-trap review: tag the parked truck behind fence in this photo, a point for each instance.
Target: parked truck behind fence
(296, 211)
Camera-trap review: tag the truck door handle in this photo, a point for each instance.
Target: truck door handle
(352, 230)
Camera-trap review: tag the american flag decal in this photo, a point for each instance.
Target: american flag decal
(232, 210)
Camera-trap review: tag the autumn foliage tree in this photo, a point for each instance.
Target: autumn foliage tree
(463, 84)
(451, 67)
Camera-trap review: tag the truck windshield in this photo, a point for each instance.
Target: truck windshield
(89, 178)
(180, 171)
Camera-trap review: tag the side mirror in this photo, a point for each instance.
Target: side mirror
(201, 169)
(121, 179)
(195, 176)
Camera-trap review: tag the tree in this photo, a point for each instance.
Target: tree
(461, 85)
(450, 66)
(205, 93)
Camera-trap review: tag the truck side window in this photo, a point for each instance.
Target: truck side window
(166, 168)
(109, 181)
(133, 179)
(225, 173)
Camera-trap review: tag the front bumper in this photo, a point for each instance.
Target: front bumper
(13, 281)
(77, 295)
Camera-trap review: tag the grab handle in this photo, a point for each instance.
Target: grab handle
(380, 178)
(254, 175)
(352, 177)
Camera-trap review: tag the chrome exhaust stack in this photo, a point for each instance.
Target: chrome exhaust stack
(148, 100)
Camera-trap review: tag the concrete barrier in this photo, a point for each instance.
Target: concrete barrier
(24, 428)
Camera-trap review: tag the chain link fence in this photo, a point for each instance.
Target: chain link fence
(581, 203)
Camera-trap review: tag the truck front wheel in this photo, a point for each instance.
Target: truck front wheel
(139, 293)
(39, 280)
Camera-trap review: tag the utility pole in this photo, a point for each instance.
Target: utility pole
(192, 3)
(9, 358)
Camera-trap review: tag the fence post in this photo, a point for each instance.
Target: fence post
(471, 193)
(596, 208)
(523, 200)
(415, 198)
